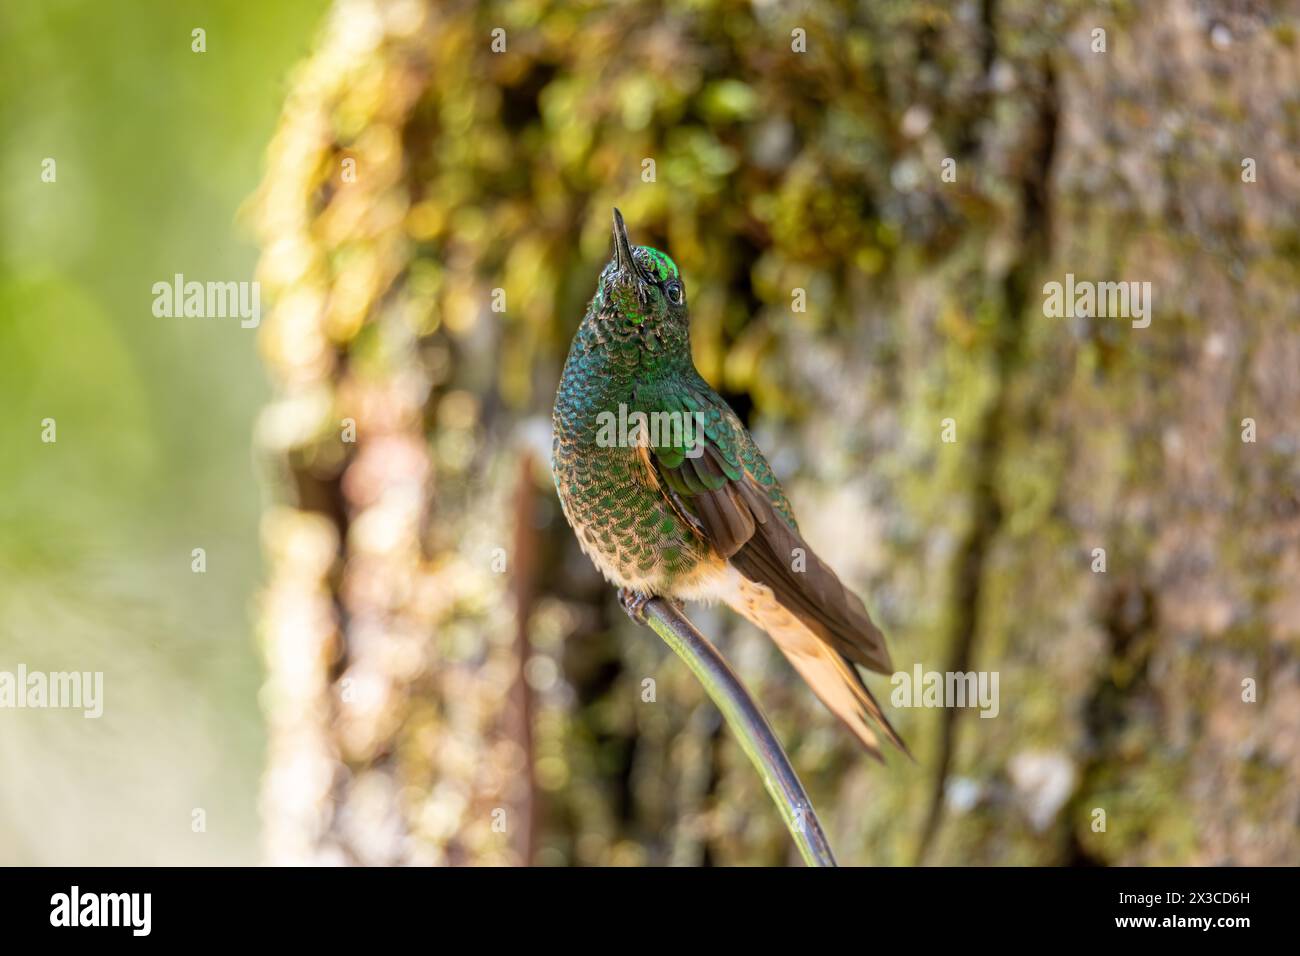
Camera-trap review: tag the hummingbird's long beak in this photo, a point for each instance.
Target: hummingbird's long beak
(623, 248)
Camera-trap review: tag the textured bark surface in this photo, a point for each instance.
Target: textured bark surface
(448, 679)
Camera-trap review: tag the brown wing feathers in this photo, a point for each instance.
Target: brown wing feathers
(741, 522)
(815, 594)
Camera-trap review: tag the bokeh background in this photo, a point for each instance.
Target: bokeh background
(156, 148)
(397, 653)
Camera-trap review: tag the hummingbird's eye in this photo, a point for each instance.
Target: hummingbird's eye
(674, 291)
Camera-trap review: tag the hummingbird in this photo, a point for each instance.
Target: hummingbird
(692, 510)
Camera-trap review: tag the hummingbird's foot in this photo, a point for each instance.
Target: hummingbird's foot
(634, 603)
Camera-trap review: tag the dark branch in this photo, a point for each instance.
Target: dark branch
(747, 723)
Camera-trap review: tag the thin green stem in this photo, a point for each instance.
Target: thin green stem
(748, 724)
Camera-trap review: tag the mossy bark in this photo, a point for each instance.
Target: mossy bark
(417, 172)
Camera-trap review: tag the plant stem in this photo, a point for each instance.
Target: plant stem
(748, 724)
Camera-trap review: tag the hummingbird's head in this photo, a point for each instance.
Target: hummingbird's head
(641, 289)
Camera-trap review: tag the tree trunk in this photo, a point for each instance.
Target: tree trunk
(1102, 513)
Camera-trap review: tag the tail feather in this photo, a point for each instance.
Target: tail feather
(832, 677)
(814, 592)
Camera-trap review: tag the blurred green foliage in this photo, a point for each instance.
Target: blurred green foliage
(155, 147)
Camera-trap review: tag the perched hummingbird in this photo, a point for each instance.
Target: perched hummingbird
(693, 512)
